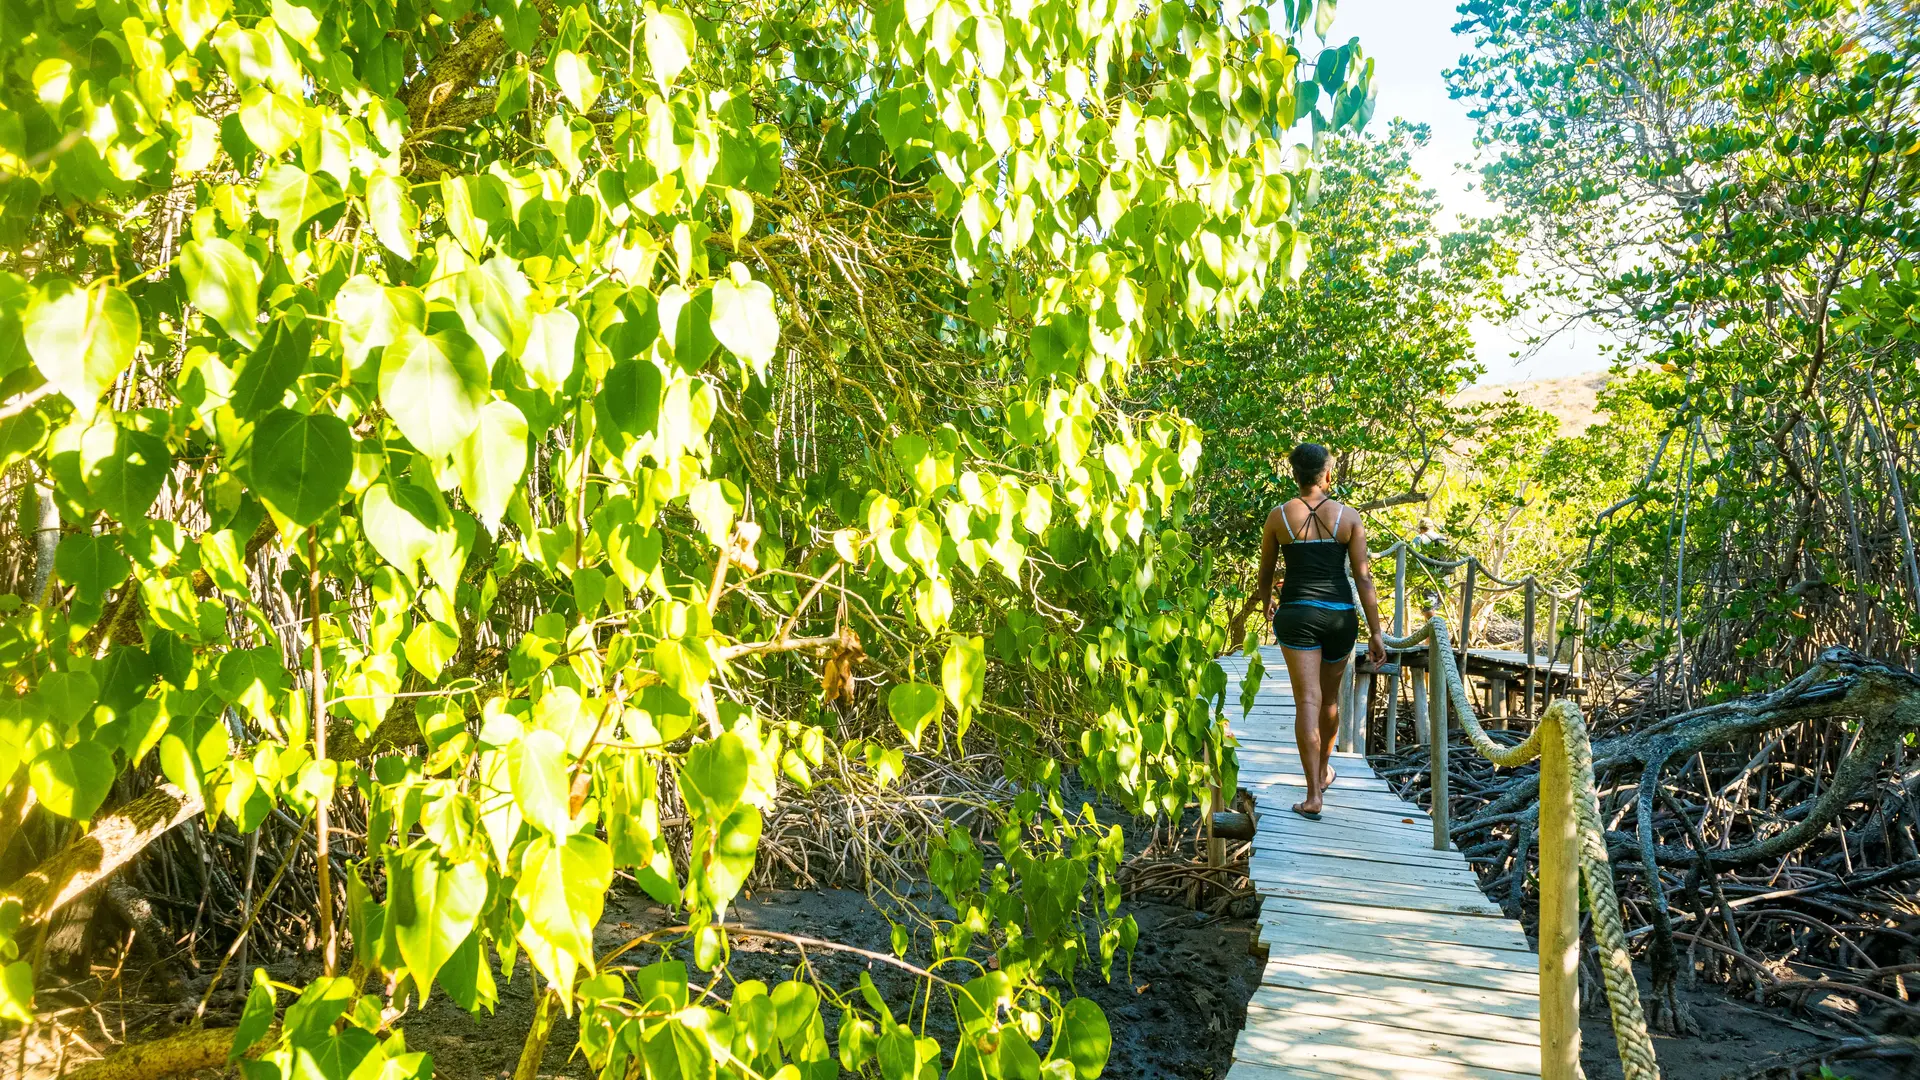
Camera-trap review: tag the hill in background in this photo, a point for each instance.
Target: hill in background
(1571, 398)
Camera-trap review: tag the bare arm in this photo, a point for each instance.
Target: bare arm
(1269, 559)
(1269, 554)
(1363, 583)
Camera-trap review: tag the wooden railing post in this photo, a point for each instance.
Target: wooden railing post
(1343, 735)
(1466, 612)
(1576, 656)
(1553, 646)
(1399, 630)
(1437, 737)
(1526, 640)
(1559, 910)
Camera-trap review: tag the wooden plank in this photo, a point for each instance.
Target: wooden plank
(1293, 866)
(1330, 934)
(1409, 993)
(1326, 1070)
(1351, 808)
(1290, 1040)
(1436, 905)
(1275, 880)
(1433, 1019)
(1455, 878)
(1348, 830)
(1386, 860)
(1396, 922)
(1523, 983)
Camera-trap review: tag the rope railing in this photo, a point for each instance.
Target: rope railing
(1572, 850)
(1535, 680)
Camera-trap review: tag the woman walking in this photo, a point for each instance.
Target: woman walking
(1314, 620)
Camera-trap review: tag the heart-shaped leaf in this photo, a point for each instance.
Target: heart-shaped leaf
(223, 282)
(433, 385)
(301, 463)
(913, 706)
(744, 320)
(492, 460)
(81, 339)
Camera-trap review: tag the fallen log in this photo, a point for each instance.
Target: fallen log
(187, 1052)
(115, 838)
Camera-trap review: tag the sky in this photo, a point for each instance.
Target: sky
(1412, 42)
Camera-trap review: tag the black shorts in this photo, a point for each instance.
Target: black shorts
(1303, 626)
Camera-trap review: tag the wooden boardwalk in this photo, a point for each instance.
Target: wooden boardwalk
(1384, 957)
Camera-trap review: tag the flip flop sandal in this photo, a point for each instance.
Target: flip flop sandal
(1310, 815)
(1331, 777)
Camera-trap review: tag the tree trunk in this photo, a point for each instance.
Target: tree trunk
(116, 838)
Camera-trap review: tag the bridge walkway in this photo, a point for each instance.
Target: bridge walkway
(1384, 957)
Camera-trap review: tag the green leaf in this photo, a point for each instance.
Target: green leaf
(562, 891)
(744, 320)
(630, 398)
(431, 647)
(548, 359)
(963, 674)
(194, 19)
(256, 1018)
(91, 564)
(513, 93)
(81, 339)
(391, 209)
(124, 467)
(433, 907)
(1323, 18)
(400, 521)
(433, 386)
(293, 197)
(713, 509)
(736, 842)
(301, 463)
(913, 706)
(223, 282)
(715, 775)
(16, 992)
(370, 316)
(670, 40)
(492, 300)
(540, 781)
(73, 781)
(575, 77)
(273, 368)
(1085, 1038)
(492, 460)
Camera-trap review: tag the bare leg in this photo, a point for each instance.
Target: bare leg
(1303, 671)
(1330, 676)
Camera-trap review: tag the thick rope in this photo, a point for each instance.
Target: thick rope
(1637, 1061)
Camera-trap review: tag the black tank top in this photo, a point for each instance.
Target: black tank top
(1316, 572)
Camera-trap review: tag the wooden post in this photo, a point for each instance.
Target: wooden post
(1526, 640)
(1216, 846)
(1362, 706)
(1466, 617)
(1437, 746)
(1343, 739)
(1399, 629)
(1576, 656)
(1553, 646)
(1421, 725)
(1559, 911)
(1497, 699)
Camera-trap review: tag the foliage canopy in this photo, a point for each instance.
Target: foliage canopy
(511, 421)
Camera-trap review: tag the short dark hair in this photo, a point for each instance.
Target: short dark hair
(1309, 461)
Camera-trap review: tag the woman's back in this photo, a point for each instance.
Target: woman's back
(1315, 554)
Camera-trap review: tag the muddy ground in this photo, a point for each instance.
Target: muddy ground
(1174, 1014)
(1737, 1040)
